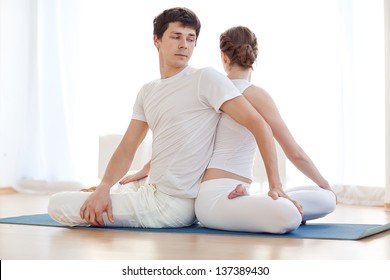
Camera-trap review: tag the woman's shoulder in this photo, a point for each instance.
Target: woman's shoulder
(256, 90)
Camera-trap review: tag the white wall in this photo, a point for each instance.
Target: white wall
(387, 105)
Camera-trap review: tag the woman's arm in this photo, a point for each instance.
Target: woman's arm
(140, 174)
(245, 114)
(265, 105)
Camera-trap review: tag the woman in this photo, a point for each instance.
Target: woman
(223, 202)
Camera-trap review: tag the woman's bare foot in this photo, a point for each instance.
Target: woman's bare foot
(240, 190)
(91, 189)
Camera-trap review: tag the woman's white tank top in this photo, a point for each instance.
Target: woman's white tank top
(235, 145)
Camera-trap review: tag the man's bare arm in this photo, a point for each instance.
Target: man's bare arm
(245, 114)
(122, 158)
(99, 201)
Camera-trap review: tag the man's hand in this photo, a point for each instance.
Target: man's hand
(97, 203)
(275, 193)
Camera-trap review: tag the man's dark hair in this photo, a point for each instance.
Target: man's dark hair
(179, 14)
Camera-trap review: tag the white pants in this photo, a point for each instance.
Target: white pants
(259, 212)
(133, 205)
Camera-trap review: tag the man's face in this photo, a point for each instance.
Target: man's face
(176, 46)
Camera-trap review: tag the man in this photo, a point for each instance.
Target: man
(182, 109)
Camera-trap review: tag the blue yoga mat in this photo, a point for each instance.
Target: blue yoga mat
(309, 230)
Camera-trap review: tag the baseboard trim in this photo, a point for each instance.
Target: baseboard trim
(7, 190)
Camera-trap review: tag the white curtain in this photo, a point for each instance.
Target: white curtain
(38, 62)
(334, 101)
(70, 71)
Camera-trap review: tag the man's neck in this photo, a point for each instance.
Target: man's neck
(167, 73)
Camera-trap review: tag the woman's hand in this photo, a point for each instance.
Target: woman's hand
(144, 172)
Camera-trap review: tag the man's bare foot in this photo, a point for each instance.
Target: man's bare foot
(91, 189)
(240, 190)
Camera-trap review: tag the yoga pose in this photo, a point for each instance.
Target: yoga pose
(223, 202)
(232, 160)
(182, 109)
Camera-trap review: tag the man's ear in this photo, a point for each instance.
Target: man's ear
(156, 41)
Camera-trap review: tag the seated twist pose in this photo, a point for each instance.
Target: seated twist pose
(182, 109)
(223, 202)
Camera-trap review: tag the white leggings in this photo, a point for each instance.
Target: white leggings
(259, 212)
(133, 205)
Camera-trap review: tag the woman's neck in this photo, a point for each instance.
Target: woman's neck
(236, 73)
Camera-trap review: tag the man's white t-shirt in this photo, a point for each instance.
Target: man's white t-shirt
(182, 111)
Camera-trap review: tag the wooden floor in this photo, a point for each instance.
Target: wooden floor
(45, 243)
